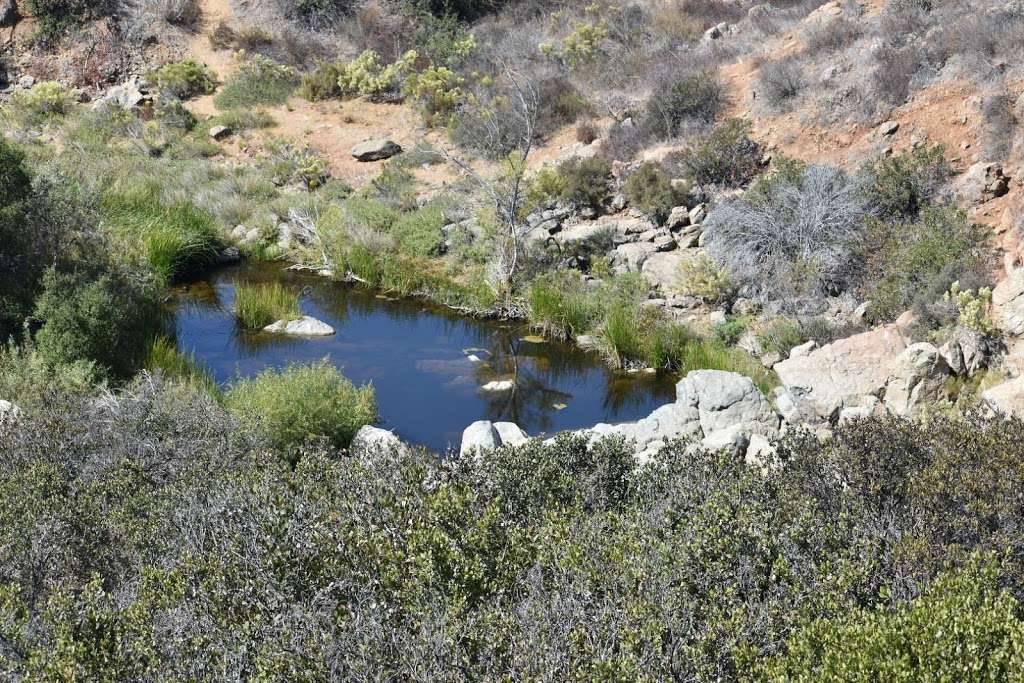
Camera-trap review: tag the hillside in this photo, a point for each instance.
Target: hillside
(509, 340)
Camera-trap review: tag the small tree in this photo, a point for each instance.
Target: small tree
(500, 123)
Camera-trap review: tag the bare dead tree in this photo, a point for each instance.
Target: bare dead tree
(501, 124)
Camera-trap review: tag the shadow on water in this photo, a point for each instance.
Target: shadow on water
(427, 364)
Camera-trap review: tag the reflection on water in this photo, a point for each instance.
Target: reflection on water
(427, 364)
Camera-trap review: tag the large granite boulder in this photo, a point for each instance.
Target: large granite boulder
(839, 374)
(1007, 398)
(918, 378)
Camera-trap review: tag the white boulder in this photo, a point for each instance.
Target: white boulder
(306, 326)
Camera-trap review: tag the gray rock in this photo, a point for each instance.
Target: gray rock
(220, 132)
(679, 218)
(510, 433)
(733, 440)
(743, 306)
(1008, 303)
(717, 318)
(698, 214)
(370, 441)
(376, 150)
(479, 436)
(664, 243)
(8, 12)
(631, 257)
(760, 452)
(888, 128)
(26, 82)
(769, 359)
(982, 182)
(918, 378)
(306, 326)
(726, 400)
(751, 344)
(8, 411)
(804, 349)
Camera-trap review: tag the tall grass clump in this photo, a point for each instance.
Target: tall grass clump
(259, 305)
(301, 401)
(259, 80)
(165, 357)
(561, 305)
(176, 239)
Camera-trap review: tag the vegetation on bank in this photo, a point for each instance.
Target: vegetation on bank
(194, 545)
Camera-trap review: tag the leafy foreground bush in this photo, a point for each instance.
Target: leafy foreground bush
(258, 80)
(303, 401)
(149, 537)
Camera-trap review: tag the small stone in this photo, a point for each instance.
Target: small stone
(698, 214)
(220, 132)
(804, 349)
(888, 128)
(306, 326)
(376, 150)
(498, 386)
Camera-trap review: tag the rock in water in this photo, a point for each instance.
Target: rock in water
(306, 326)
(499, 385)
(376, 150)
(510, 433)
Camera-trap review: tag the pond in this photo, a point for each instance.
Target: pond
(426, 363)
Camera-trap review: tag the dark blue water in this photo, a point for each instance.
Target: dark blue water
(417, 358)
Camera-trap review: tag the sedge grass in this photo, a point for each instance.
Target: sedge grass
(259, 305)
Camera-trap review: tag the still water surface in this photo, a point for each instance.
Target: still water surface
(419, 358)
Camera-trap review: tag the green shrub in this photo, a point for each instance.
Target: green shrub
(580, 183)
(56, 16)
(301, 401)
(185, 79)
(729, 332)
(109, 319)
(915, 263)
(701, 277)
(46, 101)
(241, 120)
(257, 81)
(321, 83)
(371, 213)
(368, 75)
(728, 157)
(903, 184)
(694, 98)
(19, 272)
(419, 232)
(259, 305)
(964, 627)
(650, 190)
(299, 165)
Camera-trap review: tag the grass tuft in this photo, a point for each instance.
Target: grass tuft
(259, 305)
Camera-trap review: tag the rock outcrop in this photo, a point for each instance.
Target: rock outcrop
(856, 372)
(1008, 303)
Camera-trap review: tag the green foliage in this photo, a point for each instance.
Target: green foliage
(367, 75)
(419, 232)
(55, 16)
(108, 319)
(165, 357)
(703, 278)
(257, 81)
(727, 157)
(19, 275)
(241, 120)
(181, 542)
(580, 183)
(437, 90)
(321, 83)
(302, 401)
(562, 305)
(185, 79)
(300, 165)
(259, 305)
(47, 101)
(916, 262)
(904, 184)
(729, 332)
(175, 239)
(650, 190)
(695, 98)
(964, 627)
